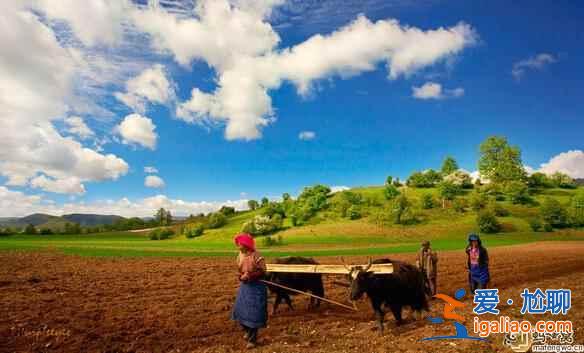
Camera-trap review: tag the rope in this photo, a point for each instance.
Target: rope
(309, 294)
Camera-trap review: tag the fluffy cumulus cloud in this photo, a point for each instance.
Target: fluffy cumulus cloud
(433, 90)
(150, 86)
(150, 170)
(18, 204)
(538, 62)
(237, 41)
(138, 129)
(38, 88)
(154, 181)
(339, 188)
(307, 135)
(571, 163)
(77, 126)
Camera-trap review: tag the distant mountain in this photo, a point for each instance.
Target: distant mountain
(579, 181)
(41, 219)
(91, 219)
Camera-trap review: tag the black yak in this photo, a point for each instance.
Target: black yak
(406, 286)
(306, 282)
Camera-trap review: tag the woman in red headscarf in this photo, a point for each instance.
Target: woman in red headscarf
(251, 304)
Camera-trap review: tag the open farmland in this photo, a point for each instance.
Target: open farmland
(182, 304)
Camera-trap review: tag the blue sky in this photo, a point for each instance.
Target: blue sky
(366, 125)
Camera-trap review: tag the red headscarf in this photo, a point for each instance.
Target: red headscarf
(245, 240)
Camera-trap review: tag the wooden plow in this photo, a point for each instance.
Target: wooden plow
(326, 270)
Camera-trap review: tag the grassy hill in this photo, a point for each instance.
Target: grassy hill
(326, 232)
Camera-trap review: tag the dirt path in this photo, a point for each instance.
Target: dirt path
(55, 303)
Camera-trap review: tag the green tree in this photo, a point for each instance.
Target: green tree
(577, 208)
(227, 210)
(389, 180)
(265, 201)
(216, 220)
(426, 179)
(449, 166)
(539, 180)
(554, 213)
(517, 192)
(427, 201)
(487, 222)
(163, 217)
(252, 204)
(448, 191)
(562, 180)
(401, 205)
(285, 196)
(391, 192)
(500, 162)
(30, 229)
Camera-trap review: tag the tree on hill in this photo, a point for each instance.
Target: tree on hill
(286, 197)
(252, 204)
(427, 179)
(30, 229)
(449, 166)
(163, 217)
(227, 210)
(265, 201)
(562, 180)
(500, 162)
(448, 191)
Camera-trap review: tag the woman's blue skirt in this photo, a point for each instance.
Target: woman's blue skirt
(479, 274)
(251, 305)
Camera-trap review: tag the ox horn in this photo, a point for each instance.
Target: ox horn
(345, 265)
(368, 266)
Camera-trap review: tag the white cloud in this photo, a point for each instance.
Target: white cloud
(17, 204)
(433, 90)
(78, 127)
(154, 181)
(152, 85)
(339, 188)
(570, 162)
(150, 170)
(93, 22)
(138, 129)
(537, 62)
(68, 185)
(37, 88)
(307, 135)
(241, 46)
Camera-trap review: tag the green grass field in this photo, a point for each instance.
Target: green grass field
(330, 236)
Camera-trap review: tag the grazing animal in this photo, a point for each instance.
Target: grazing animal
(406, 286)
(306, 282)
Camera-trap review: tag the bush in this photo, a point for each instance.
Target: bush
(354, 212)
(216, 220)
(576, 210)
(477, 201)
(272, 241)
(498, 210)
(460, 178)
(154, 234)
(45, 231)
(517, 192)
(539, 180)
(487, 222)
(165, 234)
(427, 179)
(273, 208)
(400, 208)
(30, 229)
(448, 190)
(535, 224)
(428, 201)
(562, 180)
(262, 224)
(459, 204)
(227, 210)
(554, 213)
(195, 231)
(390, 192)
